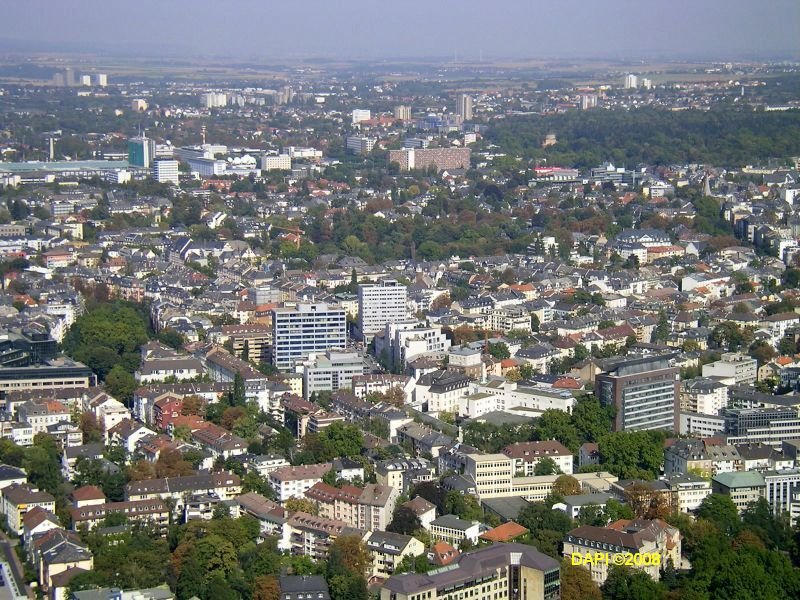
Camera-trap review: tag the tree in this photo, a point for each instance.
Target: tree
(348, 554)
(92, 432)
(566, 485)
(237, 393)
(630, 455)
(342, 440)
(720, 510)
(170, 337)
(577, 584)
(246, 351)
(592, 419)
(171, 463)
(266, 587)
(300, 505)
(404, 520)
(120, 384)
(557, 425)
(624, 583)
(546, 466)
(499, 351)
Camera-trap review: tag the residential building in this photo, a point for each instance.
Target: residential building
(18, 499)
(293, 482)
(703, 395)
(310, 535)
(688, 491)
(389, 549)
(572, 505)
(703, 457)
(222, 484)
(497, 572)
(360, 115)
(303, 587)
(439, 158)
(379, 304)
(645, 392)
(304, 330)
(451, 529)
(402, 113)
(464, 107)
(154, 513)
(743, 488)
(40, 415)
(526, 455)
(639, 536)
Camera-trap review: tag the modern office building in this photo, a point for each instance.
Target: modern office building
(645, 392)
(379, 304)
(499, 572)
(762, 425)
(331, 372)
(781, 487)
(55, 373)
(165, 170)
(359, 144)
(743, 487)
(738, 367)
(304, 330)
(464, 107)
(141, 151)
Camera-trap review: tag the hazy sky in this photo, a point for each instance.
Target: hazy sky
(265, 29)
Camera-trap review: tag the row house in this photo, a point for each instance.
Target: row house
(223, 484)
(154, 512)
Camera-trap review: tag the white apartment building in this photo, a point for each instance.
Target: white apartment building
(304, 330)
(688, 491)
(703, 395)
(738, 367)
(781, 485)
(380, 304)
(166, 171)
(361, 114)
(406, 340)
(39, 415)
(293, 482)
(281, 162)
(331, 371)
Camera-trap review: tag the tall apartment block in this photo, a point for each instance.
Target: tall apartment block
(645, 392)
(306, 329)
(464, 107)
(379, 304)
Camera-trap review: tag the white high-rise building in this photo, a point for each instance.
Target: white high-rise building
(361, 114)
(304, 330)
(631, 81)
(647, 83)
(379, 304)
(86, 80)
(464, 107)
(101, 79)
(402, 113)
(213, 100)
(166, 171)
